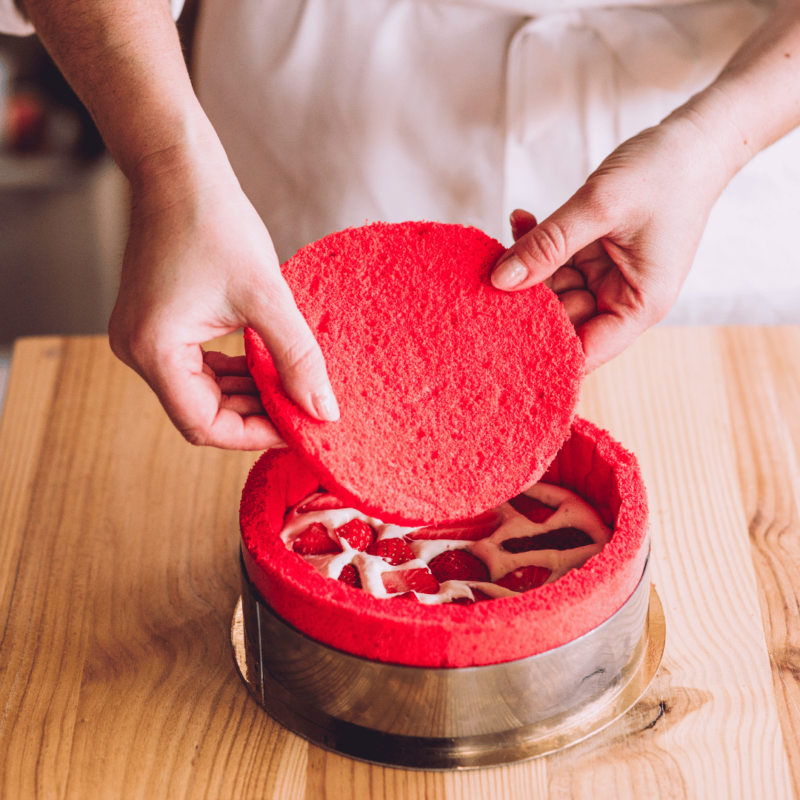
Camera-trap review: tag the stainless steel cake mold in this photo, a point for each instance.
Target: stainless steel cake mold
(449, 718)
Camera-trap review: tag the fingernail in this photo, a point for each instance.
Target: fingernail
(325, 405)
(509, 274)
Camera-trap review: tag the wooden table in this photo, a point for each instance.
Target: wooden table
(119, 573)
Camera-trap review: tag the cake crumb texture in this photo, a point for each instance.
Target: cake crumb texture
(454, 396)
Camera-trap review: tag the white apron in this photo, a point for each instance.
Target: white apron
(336, 112)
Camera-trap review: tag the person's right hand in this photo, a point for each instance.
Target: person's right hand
(199, 264)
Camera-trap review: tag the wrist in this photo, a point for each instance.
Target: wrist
(180, 162)
(703, 128)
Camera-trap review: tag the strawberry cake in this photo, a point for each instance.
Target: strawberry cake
(539, 571)
(413, 531)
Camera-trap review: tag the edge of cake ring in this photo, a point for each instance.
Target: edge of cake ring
(452, 717)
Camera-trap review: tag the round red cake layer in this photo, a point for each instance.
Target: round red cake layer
(454, 396)
(590, 463)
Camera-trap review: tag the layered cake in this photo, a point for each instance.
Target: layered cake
(512, 626)
(458, 514)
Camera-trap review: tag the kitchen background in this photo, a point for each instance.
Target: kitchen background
(63, 202)
(63, 206)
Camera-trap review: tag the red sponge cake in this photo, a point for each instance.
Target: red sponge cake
(590, 464)
(454, 396)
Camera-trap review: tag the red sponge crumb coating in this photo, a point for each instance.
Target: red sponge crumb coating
(590, 463)
(440, 377)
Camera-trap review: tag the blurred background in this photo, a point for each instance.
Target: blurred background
(63, 202)
(63, 205)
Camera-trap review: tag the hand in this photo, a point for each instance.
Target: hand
(618, 252)
(199, 264)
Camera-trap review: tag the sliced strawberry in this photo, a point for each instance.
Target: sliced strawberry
(395, 551)
(534, 510)
(560, 539)
(458, 565)
(358, 534)
(479, 596)
(524, 578)
(410, 580)
(350, 576)
(315, 541)
(405, 596)
(466, 530)
(321, 502)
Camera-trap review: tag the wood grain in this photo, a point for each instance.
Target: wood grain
(764, 387)
(118, 577)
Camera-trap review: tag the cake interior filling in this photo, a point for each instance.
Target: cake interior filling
(533, 539)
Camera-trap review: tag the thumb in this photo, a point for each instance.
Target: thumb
(295, 352)
(548, 246)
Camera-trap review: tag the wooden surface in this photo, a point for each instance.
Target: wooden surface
(118, 577)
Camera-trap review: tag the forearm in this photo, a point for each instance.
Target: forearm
(125, 62)
(756, 98)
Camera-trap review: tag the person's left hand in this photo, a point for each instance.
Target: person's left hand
(618, 252)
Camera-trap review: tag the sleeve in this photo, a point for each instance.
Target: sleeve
(11, 21)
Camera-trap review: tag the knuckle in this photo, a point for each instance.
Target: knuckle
(194, 435)
(606, 201)
(548, 243)
(117, 340)
(130, 343)
(301, 356)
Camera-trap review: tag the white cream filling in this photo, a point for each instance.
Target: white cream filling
(570, 511)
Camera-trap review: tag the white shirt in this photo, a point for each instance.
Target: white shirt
(338, 112)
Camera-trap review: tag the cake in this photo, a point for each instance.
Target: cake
(455, 398)
(590, 463)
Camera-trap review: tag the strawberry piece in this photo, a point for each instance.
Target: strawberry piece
(559, 539)
(458, 565)
(395, 551)
(405, 596)
(524, 578)
(349, 575)
(321, 502)
(465, 530)
(410, 580)
(358, 534)
(479, 596)
(315, 541)
(534, 510)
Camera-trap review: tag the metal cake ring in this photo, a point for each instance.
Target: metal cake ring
(449, 718)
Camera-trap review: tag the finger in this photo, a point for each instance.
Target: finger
(565, 279)
(580, 305)
(233, 385)
(243, 404)
(296, 354)
(541, 251)
(194, 403)
(226, 365)
(521, 222)
(607, 334)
